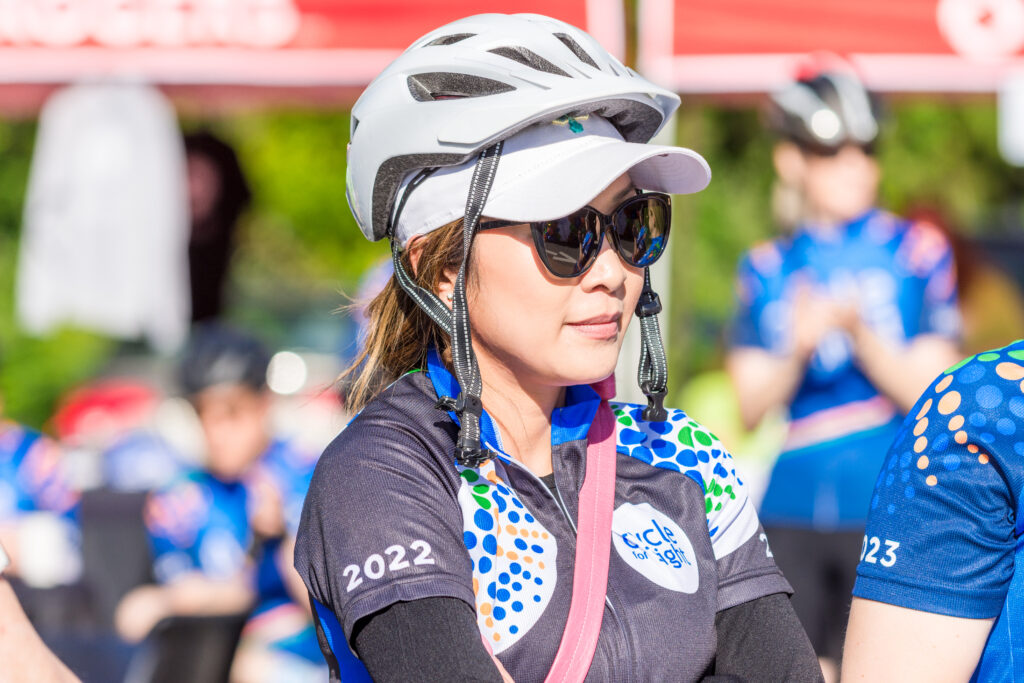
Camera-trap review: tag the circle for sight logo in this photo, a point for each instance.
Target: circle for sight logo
(651, 543)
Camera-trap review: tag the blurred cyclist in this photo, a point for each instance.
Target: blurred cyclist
(844, 321)
(222, 536)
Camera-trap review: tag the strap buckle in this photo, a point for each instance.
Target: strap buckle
(655, 410)
(648, 304)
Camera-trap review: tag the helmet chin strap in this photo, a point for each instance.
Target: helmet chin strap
(469, 450)
(652, 375)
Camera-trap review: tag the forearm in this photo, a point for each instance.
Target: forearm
(195, 594)
(23, 654)
(901, 372)
(763, 381)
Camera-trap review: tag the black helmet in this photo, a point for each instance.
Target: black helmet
(217, 354)
(826, 110)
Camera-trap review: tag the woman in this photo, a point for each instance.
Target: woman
(842, 322)
(441, 525)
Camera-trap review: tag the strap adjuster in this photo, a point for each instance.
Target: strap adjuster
(648, 304)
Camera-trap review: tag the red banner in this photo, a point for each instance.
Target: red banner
(897, 45)
(245, 42)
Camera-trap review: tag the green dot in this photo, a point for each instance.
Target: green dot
(626, 421)
(1016, 355)
(707, 505)
(686, 436)
(702, 438)
(988, 357)
(469, 475)
(959, 365)
(482, 489)
(619, 412)
(718, 507)
(717, 490)
(482, 502)
(732, 494)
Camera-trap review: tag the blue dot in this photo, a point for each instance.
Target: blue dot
(874, 502)
(951, 462)
(988, 396)
(503, 595)
(515, 501)
(971, 373)
(987, 438)
(890, 508)
(515, 568)
(905, 477)
(516, 586)
(703, 456)
(909, 492)
(677, 415)
(686, 457)
(716, 453)
(469, 538)
(517, 606)
(889, 480)
(663, 449)
(1018, 448)
(905, 459)
(720, 471)
(504, 578)
(536, 598)
(526, 575)
(483, 520)
(660, 427)
(537, 580)
(940, 443)
(892, 462)
(642, 454)
(528, 517)
(696, 476)
(668, 465)
(513, 629)
(492, 589)
(490, 544)
(1006, 426)
(976, 420)
(520, 543)
(503, 489)
(499, 613)
(1017, 406)
(513, 516)
(501, 503)
(631, 436)
(485, 565)
(537, 549)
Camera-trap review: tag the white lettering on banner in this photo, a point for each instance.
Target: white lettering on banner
(652, 544)
(162, 23)
(983, 30)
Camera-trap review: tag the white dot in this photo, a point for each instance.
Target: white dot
(287, 373)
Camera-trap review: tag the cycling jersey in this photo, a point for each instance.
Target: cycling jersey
(901, 276)
(32, 477)
(390, 517)
(945, 527)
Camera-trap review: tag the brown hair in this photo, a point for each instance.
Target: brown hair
(399, 331)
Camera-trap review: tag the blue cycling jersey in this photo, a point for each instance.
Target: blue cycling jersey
(945, 530)
(32, 477)
(901, 277)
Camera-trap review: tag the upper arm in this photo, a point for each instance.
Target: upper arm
(927, 254)
(889, 643)
(753, 323)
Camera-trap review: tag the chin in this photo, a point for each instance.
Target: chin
(593, 364)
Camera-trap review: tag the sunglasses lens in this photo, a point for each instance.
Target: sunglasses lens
(569, 244)
(641, 229)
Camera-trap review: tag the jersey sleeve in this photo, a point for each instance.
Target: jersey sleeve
(941, 530)
(381, 524)
(172, 518)
(752, 324)
(929, 255)
(746, 569)
(43, 476)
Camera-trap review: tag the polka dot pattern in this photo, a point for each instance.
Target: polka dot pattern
(504, 539)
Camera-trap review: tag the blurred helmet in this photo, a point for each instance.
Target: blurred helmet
(219, 355)
(463, 87)
(824, 111)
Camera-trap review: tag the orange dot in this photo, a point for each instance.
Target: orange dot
(511, 529)
(536, 535)
(541, 565)
(527, 559)
(921, 425)
(544, 534)
(497, 637)
(931, 480)
(524, 532)
(956, 422)
(960, 437)
(489, 622)
(922, 462)
(476, 585)
(1010, 371)
(972, 448)
(920, 444)
(983, 459)
(512, 555)
(949, 402)
(924, 409)
(485, 609)
(941, 386)
(492, 477)
(499, 551)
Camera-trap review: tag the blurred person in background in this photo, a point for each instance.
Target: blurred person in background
(222, 536)
(844, 321)
(218, 195)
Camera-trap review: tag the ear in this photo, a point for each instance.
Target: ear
(790, 164)
(446, 284)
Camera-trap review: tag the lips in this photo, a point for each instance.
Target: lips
(599, 327)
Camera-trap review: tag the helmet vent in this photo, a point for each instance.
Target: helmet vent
(580, 53)
(434, 86)
(449, 40)
(528, 58)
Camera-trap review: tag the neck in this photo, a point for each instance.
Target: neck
(522, 413)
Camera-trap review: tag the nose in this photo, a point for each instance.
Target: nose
(608, 271)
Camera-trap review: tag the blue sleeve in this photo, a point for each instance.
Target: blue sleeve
(926, 253)
(748, 328)
(941, 531)
(172, 519)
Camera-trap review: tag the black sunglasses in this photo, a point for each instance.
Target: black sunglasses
(569, 246)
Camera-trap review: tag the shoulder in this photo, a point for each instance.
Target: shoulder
(179, 508)
(765, 259)
(921, 245)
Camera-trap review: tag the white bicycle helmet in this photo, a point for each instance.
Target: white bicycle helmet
(466, 85)
(825, 111)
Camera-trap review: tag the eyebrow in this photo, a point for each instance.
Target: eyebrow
(626, 192)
